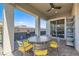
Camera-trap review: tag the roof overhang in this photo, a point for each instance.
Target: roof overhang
(29, 9)
(39, 9)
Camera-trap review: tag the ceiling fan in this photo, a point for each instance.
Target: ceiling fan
(53, 7)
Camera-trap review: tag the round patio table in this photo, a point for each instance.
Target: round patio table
(40, 43)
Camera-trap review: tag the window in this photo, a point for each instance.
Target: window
(42, 27)
(1, 19)
(25, 23)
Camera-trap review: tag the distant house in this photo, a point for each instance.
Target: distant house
(0, 27)
(23, 28)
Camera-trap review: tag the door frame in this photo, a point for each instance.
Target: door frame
(64, 18)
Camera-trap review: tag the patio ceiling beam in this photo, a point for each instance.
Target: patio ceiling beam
(29, 9)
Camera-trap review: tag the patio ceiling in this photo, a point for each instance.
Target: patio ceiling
(41, 9)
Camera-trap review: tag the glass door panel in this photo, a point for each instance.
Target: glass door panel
(57, 28)
(60, 28)
(53, 28)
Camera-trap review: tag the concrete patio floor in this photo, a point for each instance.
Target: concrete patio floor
(63, 50)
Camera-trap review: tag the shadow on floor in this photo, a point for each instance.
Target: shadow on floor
(63, 50)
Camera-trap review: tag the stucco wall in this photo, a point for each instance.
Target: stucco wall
(61, 15)
(75, 12)
(75, 9)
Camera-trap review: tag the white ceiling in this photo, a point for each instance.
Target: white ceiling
(43, 7)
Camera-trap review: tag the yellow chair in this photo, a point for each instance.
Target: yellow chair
(53, 44)
(26, 43)
(25, 47)
(41, 52)
(21, 49)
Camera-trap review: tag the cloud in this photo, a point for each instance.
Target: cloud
(24, 23)
(18, 23)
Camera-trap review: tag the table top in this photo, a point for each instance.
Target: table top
(41, 39)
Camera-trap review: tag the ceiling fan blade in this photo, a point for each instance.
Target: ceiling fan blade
(49, 10)
(57, 7)
(52, 5)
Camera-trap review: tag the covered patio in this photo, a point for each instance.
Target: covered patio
(63, 50)
(40, 10)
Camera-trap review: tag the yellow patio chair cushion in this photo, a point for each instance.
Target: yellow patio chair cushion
(21, 49)
(41, 52)
(26, 46)
(25, 49)
(25, 41)
(53, 44)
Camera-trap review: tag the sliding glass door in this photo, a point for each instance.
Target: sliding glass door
(53, 28)
(57, 28)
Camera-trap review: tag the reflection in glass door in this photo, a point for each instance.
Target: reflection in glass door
(53, 28)
(57, 28)
(60, 28)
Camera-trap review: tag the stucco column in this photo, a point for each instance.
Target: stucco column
(8, 29)
(48, 28)
(37, 27)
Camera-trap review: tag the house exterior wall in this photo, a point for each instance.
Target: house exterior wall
(61, 15)
(75, 12)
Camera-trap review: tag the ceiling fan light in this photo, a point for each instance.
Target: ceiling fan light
(52, 8)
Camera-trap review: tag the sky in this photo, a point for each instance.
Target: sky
(22, 18)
